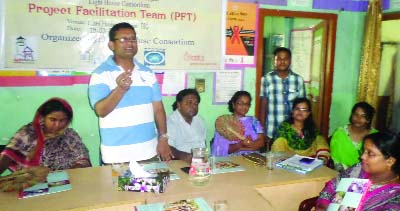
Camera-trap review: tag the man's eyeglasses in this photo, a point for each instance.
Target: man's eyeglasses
(126, 39)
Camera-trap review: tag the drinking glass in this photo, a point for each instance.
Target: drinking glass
(117, 169)
(200, 171)
(270, 160)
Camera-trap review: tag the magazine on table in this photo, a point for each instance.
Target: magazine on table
(224, 165)
(301, 164)
(350, 194)
(196, 204)
(156, 167)
(56, 181)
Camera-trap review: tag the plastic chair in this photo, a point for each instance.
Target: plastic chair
(308, 204)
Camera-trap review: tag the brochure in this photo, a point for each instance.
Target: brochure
(196, 204)
(224, 165)
(156, 167)
(350, 194)
(56, 181)
(301, 164)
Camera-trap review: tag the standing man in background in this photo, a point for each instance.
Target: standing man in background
(278, 90)
(126, 97)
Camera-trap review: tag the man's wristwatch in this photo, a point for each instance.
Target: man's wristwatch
(164, 135)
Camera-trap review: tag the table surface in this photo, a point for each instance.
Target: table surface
(92, 189)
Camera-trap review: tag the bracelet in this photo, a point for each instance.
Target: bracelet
(164, 135)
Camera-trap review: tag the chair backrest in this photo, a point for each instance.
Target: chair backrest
(330, 163)
(308, 204)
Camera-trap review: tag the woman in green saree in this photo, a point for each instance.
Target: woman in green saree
(299, 134)
(346, 142)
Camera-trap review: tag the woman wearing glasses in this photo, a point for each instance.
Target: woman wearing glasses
(299, 134)
(380, 163)
(248, 139)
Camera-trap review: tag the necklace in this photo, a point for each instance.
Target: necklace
(387, 181)
(299, 131)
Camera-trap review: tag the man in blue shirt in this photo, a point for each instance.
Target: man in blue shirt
(278, 90)
(126, 97)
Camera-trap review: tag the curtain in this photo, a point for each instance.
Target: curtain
(371, 55)
(396, 94)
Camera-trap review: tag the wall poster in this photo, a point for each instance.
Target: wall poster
(301, 45)
(226, 83)
(241, 23)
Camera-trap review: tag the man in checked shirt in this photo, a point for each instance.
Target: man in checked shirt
(278, 90)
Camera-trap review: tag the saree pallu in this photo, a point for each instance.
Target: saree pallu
(343, 151)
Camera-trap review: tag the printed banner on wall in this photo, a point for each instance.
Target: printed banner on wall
(172, 35)
(240, 33)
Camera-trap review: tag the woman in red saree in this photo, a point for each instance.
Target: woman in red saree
(46, 141)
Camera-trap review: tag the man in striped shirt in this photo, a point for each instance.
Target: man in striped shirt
(126, 97)
(278, 90)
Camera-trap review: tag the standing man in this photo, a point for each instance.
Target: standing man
(278, 90)
(186, 129)
(126, 97)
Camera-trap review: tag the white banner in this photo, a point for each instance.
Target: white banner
(172, 34)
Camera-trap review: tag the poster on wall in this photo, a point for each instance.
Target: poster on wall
(301, 42)
(173, 82)
(226, 83)
(241, 25)
(172, 35)
(395, 4)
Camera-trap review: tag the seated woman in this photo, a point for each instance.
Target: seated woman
(346, 141)
(299, 135)
(251, 140)
(380, 162)
(46, 141)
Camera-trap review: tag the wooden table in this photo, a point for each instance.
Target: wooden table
(254, 189)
